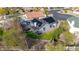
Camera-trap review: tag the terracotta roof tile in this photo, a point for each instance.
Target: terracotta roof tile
(32, 15)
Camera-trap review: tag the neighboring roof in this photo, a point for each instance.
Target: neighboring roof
(75, 19)
(59, 16)
(32, 15)
(76, 11)
(49, 19)
(38, 23)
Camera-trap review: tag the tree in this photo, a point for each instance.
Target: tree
(56, 33)
(12, 12)
(69, 38)
(1, 34)
(3, 11)
(14, 38)
(46, 11)
(64, 25)
(36, 8)
(65, 11)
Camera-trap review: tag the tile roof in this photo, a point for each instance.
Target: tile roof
(32, 15)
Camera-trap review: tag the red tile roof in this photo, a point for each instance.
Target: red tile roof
(32, 15)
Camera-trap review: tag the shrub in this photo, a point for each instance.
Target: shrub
(69, 38)
(32, 35)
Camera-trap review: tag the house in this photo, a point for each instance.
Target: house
(49, 23)
(40, 26)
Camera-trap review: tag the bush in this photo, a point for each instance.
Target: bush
(56, 33)
(64, 25)
(32, 35)
(69, 38)
(1, 32)
(65, 11)
(52, 34)
(46, 36)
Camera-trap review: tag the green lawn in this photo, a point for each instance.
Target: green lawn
(54, 34)
(47, 36)
(32, 35)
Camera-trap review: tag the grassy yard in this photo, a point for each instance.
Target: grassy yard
(32, 35)
(54, 34)
(47, 36)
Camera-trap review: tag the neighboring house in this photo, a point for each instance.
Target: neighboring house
(74, 27)
(35, 14)
(74, 24)
(59, 16)
(55, 8)
(76, 11)
(27, 8)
